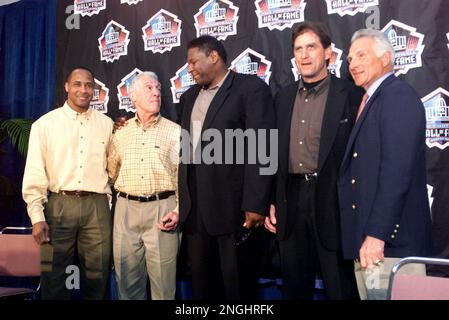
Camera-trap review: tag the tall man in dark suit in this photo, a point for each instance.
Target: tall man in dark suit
(314, 116)
(382, 188)
(217, 199)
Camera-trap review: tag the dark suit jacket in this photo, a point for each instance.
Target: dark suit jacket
(338, 119)
(382, 187)
(226, 190)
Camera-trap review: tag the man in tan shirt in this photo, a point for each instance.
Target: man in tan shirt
(143, 163)
(65, 186)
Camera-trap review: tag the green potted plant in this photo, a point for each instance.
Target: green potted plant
(18, 132)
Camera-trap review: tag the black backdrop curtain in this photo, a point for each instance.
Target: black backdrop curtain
(418, 22)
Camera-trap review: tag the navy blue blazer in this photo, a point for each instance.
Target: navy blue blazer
(382, 185)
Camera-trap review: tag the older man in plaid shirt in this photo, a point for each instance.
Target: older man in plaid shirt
(143, 163)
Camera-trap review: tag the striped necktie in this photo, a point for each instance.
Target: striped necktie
(362, 105)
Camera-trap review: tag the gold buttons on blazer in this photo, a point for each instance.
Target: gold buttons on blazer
(354, 206)
(355, 155)
(353, 181)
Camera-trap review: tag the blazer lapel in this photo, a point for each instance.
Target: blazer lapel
(218, 100)
(285, 121)
(335, 105)
(361, 119)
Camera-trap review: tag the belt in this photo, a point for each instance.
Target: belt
(157, 196)
(77, 193)
(306, 176)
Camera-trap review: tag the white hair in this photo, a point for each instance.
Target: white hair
(136, 81)
(381, 42)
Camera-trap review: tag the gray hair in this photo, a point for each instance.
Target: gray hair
(381, 42)
(133, 86)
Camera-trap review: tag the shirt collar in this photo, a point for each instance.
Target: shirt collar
(76, 115)
(218, 85)
(376, 84)
(152, 123)
(317, 89)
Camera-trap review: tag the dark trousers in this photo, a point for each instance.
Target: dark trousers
(83, 225)
(219, 269)
(302, 254)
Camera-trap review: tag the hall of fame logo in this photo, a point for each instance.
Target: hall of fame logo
(279, 14)
(100, 97)
(407, 44)
(88, 7)
(217, 18)
(124, 99)
(334, 67)
(181, 82)
(437, 116)
(349, 7)
(113, 42)
(162, 32)
(130, 2)
(252, 62)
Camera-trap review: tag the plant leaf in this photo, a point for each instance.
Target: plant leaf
(18, 130)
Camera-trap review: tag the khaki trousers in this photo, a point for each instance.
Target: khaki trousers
(83, 225)
(140, 248)
(373, 283)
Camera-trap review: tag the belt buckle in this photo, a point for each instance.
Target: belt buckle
(309, 176)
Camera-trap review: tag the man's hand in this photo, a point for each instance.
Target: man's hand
(253, 219)
(41, 232)
(120, 122)
(371, 252)
(270, 222)
(169, 222)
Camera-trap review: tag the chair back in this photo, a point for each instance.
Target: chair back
(418, 287)
(19, 255)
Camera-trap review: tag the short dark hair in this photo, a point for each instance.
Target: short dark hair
(207, 44)
(316, 27)
(67, 78)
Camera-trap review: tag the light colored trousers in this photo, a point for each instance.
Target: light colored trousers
(373, 283)
(140, 248)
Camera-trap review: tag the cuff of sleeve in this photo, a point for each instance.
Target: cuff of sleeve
(375, 233)
(36, 217)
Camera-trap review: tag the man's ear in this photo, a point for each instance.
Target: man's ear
(66, 87)
(214, 56)
(328, 53)
(132, 96)
(386, 59)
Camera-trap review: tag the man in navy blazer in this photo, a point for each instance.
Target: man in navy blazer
(382, 185)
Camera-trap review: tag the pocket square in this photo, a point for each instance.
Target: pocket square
(344, 120)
